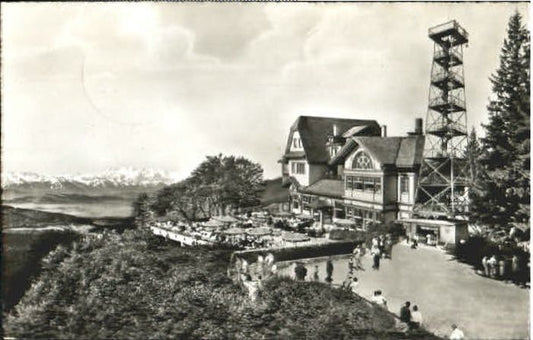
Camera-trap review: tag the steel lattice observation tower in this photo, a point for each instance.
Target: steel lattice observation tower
(444, 173)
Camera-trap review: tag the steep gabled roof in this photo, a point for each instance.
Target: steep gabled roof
(314, 132)
(398, 151)
(384, 150)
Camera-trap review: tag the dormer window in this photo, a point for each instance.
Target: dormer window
(362, 162)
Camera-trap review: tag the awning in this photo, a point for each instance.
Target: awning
(320, 204)
(234, 231)
(294, 237)
(259, 231)
(213, 224)
(344, 222)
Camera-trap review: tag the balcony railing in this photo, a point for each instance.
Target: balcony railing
(450, 25)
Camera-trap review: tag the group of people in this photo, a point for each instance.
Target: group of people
(499, 267)
(300, 272)
(251, 279)
(381, 248)
(410, 319)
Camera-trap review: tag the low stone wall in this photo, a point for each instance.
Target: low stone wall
(289, 253)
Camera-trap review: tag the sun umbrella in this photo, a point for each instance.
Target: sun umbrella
(294, 237)
(259, 231)
(226, 219)
(213, 224)
(234, 231)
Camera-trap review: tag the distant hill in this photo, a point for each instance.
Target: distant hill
(274, 192)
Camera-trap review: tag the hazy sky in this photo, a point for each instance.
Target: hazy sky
(91, 86)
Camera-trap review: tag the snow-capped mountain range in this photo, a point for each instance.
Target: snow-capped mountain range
(110, 178)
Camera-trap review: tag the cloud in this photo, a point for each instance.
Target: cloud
(164, 84)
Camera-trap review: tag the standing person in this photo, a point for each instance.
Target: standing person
(300, 272)
(293, 270)
(244, 264)
(350, 265)
(376, 255)
(315, 274)
(485, 263)
(456, 333)
(388, 247)
(252, 287)
(405, 314)
(415, 242)
(416, 318)
(357, 254)
(381, 244)
(260, 265)
(515, 269)
(329, 270)
(492, 262)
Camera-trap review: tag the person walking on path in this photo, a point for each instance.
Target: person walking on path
(456, 333)
(416, 318)
(376, 255)
(329, 270)
(357, 254)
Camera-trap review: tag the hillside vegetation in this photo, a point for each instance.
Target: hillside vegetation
(135, 286)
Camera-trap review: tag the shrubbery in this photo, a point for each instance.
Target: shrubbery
(476, 247)
(127, 286)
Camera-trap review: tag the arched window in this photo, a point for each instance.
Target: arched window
(362, 161)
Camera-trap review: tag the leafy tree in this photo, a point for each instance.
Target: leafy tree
(218, 184)
(503, 196)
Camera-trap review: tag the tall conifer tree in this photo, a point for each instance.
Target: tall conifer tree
(504, 196)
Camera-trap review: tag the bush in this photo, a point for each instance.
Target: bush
(121, 287)
(476, 247)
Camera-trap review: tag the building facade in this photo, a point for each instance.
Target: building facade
(349, 169)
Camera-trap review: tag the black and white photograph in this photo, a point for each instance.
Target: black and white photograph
(265, 170)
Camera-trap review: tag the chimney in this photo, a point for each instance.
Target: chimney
(418, 126)
(335, 130)
(383, 130)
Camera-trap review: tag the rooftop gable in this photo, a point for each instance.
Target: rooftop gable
(314, 132)
(398, 151)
